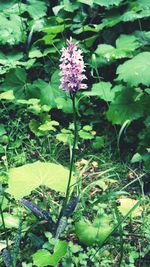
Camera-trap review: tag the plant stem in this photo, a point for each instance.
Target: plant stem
(3, 223)
(73, 150)
(120, 233)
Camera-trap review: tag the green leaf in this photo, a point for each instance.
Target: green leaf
(47, 92)
(125, 206)
(41, 258)
(10, 29)
(7, 95)
(98, 142)
(36, 8)
(96, 232)
(11, 221)
(89, 2)
(54, 29)
(107, 3)
(44, 258)
(65, 136)
(128, 43)
(64, 104)
(2, 129)
(22, 180)
(35, 53)
(48, 126)
(124, 107)
(15, 80)
(102, 90)
(136, 158)
(136, 70)
(85, 135)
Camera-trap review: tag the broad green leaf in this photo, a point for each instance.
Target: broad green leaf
(89, 2)
(2, 129)
(136, 70)
(11, 221)
(43, 127)
(86, 135)
(144, 4)
(127, 43)
(10, 29)
(44, 258)
(47, 92)
(35, 53)
(91, 233)
(5, 4)
(64, 104)
(106, 51)
(102, 90)
(65, 136)
(107, 3)
(41, 258)
(124, 107)
(98, 143)
(15, 80)
(7, 95)
(10, 58)
(136, 158)
(54, 29)
(22, 180)
(146, 159)
(36, 8)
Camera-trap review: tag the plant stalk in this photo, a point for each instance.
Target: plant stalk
(73, 150)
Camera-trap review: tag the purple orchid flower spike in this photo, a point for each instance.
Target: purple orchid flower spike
(72, 68)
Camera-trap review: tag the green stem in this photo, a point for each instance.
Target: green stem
(121, 234)
(3, 223)
(73, 150)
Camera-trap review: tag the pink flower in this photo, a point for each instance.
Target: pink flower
(72, 68)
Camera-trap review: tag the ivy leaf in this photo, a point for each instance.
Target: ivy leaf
(125, 105)
(35, 174)
(136, 70)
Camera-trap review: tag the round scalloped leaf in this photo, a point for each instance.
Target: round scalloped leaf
(22, 180)
(136, 70)
(90, 234)
(125, 104)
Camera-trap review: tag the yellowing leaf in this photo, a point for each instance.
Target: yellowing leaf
(22, 180)
(126, 204)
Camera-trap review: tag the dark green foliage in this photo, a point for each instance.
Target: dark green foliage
(113, 118)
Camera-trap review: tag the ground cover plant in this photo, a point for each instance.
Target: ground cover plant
(74, 133)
